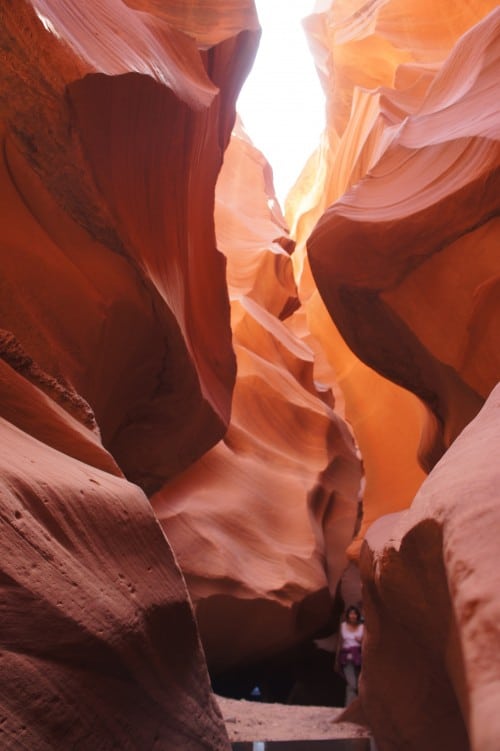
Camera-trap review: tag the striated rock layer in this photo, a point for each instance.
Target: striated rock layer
(261, 522)
(113, 123)
(429, 199)
(113, 140)
(141, 340)
(99, 644)
(404, 256)
(439, 558)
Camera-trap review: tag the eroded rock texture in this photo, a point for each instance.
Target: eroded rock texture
(440, 560)
(112, 145)
(261, 522)
(99, 644)
(405, 257)
(159, 333)
(113, 122)
(406, 260)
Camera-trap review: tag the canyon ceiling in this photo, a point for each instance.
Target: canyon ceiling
(210, 406)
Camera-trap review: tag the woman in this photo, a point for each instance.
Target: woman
(351, 635)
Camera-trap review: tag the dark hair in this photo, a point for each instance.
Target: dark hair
(351, 609)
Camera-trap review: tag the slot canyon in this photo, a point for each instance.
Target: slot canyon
(223, 420)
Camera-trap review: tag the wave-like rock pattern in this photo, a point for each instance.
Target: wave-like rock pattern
(440, 559)
(114, 120)
(99, 644)
(381, 255)
(406, 260)
(407, 173)
(261, 522)
(113, 140)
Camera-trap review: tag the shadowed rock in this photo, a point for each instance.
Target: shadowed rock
(431, 595)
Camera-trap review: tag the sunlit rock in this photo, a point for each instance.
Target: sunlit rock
(116, 358)
(144, 340)
(405, 257)
(407, 168)
(440, 559)
(260, 524)
(382, 253)
(113, 140)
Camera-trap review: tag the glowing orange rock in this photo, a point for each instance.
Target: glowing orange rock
(431, 196)
(377, 177)
(406, 261)
(260, 524)
(115, 357)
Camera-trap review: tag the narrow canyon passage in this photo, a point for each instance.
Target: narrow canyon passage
(228, 413)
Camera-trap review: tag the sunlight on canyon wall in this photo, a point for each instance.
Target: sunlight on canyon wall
(260, 524)
(198, 393)
(397, 229)
(402, 118)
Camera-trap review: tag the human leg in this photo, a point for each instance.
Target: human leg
(351, 677)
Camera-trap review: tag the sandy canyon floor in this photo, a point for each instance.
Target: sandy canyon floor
(257, 721)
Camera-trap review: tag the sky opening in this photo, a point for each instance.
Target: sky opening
(282, 104)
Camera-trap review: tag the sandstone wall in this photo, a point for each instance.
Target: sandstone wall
(113, 122)
(260, 524)
(399, 210)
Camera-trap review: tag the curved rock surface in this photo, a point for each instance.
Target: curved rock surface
(99, 644)
(144, 340)
(430, 198)
(405, 257)
(112, 145)
(439, 558)
(408, 167)
(260, 523)
(113, 125)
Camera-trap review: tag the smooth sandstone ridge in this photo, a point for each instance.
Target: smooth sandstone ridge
(99, 644)
(113, 125)
(435, 661)
(399, 210)
(179, 487)
(260, 524)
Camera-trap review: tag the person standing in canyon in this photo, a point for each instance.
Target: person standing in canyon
(351, 636)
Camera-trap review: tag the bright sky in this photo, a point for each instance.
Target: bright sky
(282, 104)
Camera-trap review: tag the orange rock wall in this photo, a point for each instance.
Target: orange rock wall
(405, 175)
(431, 670)
(402, 232)
(94, 212)
(163, 334)
(113, 125)
(261, 522)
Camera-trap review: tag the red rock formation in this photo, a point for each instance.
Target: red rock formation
(119, 346)
(406, 261)
(113, 125)
(440, 560)
(427, 201)
(260, 524)
(40, 406)
(99, 644)
(409, 195)
(109, 197)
